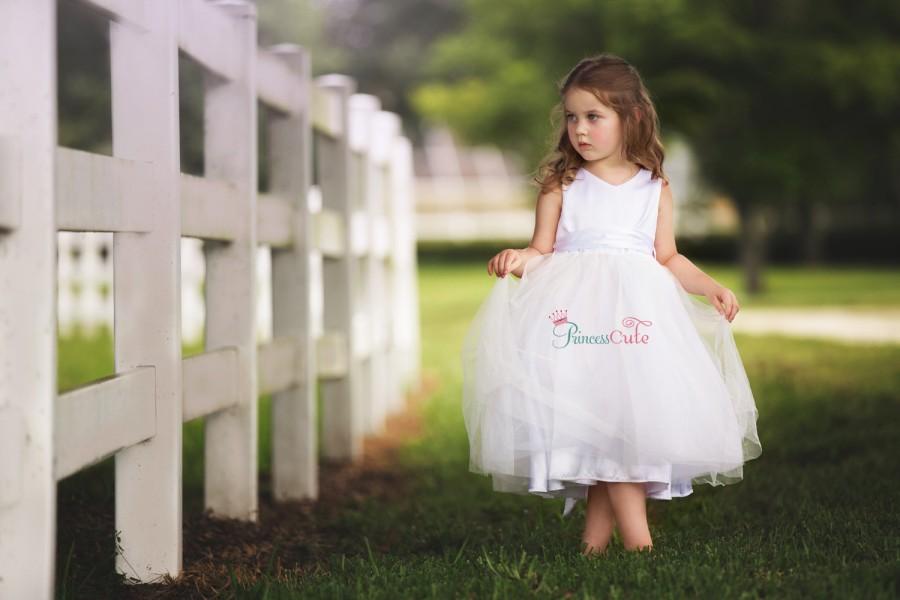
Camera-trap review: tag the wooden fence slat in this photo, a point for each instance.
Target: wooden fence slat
(386, 127)
(209, 35)
(210, 208)
(275, 221)
(277, 365)
(230, 150)
(373, 135)
(10, 183)
(105, 193)
(119, 411)
(329, 233)
(209, 381)
(342, 412)
(147, 292)
(28, 301)
(327, 111)
(123, 11)
(295, 460)
(276, 83)
(404, 284)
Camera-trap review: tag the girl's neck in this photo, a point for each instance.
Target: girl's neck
(612, 171)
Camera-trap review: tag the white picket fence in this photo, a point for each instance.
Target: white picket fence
(325, 140)
(85, 282)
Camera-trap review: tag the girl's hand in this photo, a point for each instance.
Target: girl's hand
(504, 262)
(725, 301)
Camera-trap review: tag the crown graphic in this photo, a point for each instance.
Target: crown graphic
(559, 316)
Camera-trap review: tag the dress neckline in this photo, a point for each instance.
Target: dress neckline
(614, 185)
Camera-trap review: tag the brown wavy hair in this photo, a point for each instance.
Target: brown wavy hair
(618, 85)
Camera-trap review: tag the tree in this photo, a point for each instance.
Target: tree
(783, 103)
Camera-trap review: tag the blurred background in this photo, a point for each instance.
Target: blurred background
(780, 120)
(781, 125)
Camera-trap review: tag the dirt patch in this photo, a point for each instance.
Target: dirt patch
(290, 538)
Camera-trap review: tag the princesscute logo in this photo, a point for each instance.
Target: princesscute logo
(567, 332)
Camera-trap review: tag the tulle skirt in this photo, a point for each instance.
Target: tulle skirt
(598, 365)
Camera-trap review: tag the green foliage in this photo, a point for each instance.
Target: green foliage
(490, 112)
(782, 102)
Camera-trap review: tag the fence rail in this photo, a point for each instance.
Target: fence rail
(363, 356)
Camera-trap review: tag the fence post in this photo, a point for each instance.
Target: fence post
(147, 277)
(407, 329)
(147, 291)
(295, 458)
(342, 416)
(386, 128)
(28, 301)
(362, 112)
(230, 148)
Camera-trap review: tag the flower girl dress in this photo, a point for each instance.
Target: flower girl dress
(597, 365)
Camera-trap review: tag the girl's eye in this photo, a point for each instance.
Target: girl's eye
(591, 115)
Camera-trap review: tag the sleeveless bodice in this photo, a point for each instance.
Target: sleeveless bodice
(597, 214)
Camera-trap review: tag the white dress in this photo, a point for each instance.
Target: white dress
(597, 365)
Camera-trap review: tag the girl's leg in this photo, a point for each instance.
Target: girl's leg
(599, 520)
(629, 503)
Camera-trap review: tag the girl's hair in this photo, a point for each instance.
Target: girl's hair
(617, 84)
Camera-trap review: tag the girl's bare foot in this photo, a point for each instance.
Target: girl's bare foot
(629, 503)
(588, 549)
(599, 521)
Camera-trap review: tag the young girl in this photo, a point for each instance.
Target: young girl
(597, 375)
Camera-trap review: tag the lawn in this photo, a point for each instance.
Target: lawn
(816, 515)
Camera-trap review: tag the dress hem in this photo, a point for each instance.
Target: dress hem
(577, 489)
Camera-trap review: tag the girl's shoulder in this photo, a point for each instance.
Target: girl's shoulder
(565, 185)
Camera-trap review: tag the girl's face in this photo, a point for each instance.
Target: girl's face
(595, 130)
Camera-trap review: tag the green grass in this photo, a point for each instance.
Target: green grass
(849, 287)
(815, 517)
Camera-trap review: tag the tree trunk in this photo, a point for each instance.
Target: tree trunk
(752, 245)
(816, 222)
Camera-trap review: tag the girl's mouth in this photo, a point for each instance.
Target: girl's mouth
(582, 145)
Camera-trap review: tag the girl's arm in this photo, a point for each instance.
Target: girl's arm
(511, 260)
(546, 219)
(692, 279)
